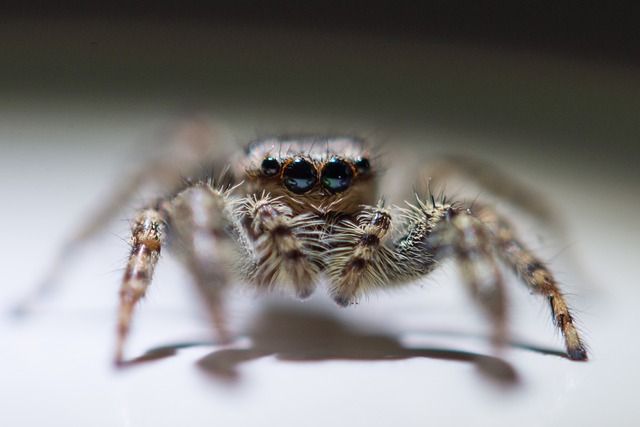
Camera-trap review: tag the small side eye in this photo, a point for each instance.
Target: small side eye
(299, 176)
(362, 166)
(270, 166)
(336, 175)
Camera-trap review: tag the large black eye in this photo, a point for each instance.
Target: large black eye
(299, 176)
(336, 175)
(362, 166)
(270, 166)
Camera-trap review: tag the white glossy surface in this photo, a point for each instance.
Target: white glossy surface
(56, 362)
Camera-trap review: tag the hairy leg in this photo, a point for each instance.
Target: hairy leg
(449, 230)
(147, 239)
(209, 241)
(535, 274)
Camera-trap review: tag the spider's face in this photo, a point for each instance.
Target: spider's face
(311, 173)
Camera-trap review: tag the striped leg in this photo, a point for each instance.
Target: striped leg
(147, 239)
(210, 244)
(538, 278)
(457, 233)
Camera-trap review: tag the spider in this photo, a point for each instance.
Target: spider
(294, 211)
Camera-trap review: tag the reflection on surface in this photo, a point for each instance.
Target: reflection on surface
(294, 335)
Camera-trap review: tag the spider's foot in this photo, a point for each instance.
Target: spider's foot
(343, 300)
(577, 353)
(304, 293)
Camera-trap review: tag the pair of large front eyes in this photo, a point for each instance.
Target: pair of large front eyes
(299, 175)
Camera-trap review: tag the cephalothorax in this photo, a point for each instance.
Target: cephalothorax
(305, 210)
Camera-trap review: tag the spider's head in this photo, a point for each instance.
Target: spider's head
(312, 173)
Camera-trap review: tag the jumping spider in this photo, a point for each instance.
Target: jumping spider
(305, 210)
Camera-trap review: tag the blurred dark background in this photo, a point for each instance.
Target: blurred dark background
(542, 75)
(593, 29)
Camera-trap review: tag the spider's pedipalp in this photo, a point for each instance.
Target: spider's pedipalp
(285, 246)
(360, 261)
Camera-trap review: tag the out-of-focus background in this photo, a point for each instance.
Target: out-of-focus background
(548, 91)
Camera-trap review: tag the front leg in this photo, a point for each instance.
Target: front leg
(147, 239)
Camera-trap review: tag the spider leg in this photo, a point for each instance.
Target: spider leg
(442, 230)
(285, 246)
(535, 274)
(210, 244)
(460, 234)
(147, 239)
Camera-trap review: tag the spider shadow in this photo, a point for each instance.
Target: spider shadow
(298, 336)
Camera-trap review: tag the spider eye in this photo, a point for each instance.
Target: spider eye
(362, 166)
(336, 175)
(270, 166)
(299, 176)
